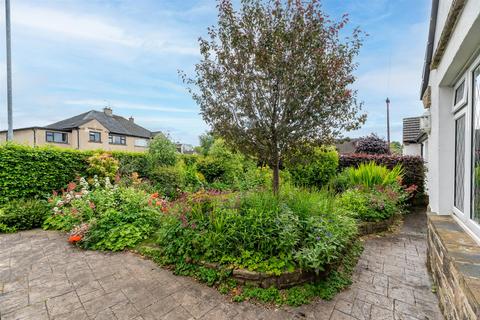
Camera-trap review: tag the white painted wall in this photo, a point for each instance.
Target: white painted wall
(412, 149)
(461, 50)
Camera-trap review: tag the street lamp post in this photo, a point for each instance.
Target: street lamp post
(388, 122)
(9, 72)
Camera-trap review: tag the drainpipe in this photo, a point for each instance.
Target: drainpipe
(34, 137)
(78, 138)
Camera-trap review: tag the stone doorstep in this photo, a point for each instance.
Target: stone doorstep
(461, 256)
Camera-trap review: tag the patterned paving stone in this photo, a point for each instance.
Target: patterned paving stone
(43, 277)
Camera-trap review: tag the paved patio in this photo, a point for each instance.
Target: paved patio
(43, 277)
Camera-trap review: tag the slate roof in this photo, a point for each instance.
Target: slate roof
(114, 124)
(411, 130)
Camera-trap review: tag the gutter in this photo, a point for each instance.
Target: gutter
(429, 52)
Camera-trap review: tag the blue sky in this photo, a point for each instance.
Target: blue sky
(71, 56)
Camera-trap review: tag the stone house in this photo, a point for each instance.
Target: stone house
(450, 92)
(87, 131)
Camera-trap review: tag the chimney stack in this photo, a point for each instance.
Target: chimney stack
(108, 111)
(131, 119)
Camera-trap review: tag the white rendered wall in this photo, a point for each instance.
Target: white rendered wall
(461, 50)
(412, 149)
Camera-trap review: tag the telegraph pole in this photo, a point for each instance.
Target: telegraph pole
(9, 72)
(388, 122)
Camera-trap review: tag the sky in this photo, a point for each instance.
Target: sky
(71, 56)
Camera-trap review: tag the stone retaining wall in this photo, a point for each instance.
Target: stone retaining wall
(454, 260)
(369, 227)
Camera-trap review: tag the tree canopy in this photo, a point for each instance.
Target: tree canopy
(275, 75)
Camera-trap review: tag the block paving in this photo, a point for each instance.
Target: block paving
(44, 277)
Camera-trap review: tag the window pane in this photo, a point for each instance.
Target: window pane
(459, 93)
(459, 163)
(476, 148)
(95, 136)
(141, 142)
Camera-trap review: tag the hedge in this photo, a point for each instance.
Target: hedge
(33, 172)
(413, 166)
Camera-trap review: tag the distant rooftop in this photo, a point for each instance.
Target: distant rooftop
(411, 130)
(114, 123)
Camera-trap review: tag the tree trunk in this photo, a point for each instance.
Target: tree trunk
(276, 178)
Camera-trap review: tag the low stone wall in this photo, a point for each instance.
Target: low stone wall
(454, 260)
(369, 227)
(264, 280)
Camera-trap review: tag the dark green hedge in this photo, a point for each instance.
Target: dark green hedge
(32, 172)
(27, 172)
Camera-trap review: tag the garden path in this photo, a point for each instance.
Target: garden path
(44, 277)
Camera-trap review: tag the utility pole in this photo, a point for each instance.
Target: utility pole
(9, 72)
(388, 122)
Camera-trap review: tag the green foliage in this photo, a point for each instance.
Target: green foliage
(291, 91)
(105, 217)
(370, 204)
(206, 142)
(396, 147)
(169, 181)
(257, 230)
(27, 172)
(414, 169)
(130, 162)
(221, 164)
(23, 214)
(296, 296)
(313, 168)
(371, 175)
(161, 152)
(102, 165)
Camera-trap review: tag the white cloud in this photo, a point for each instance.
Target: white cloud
(56, 23)
(127, 105)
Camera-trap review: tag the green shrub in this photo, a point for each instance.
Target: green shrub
(169, 181)
(221, 164)
(27, 172)
(313, 168)
(130, 162)
(102, 164)
(257, 230)
(105, 217)
(161, 152)
(414, 169)
(371, 175)
(370, 204)
(23, 214)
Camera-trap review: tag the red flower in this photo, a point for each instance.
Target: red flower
(91, 205)
(71, 186)
(74, 239)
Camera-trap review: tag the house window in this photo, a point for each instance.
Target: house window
(141, 143)
(117, 139)
(460, 96)
(475, 213)
(57, 137)
(95, 136)
(459, 191)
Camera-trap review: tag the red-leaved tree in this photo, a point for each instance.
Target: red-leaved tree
(275, 75)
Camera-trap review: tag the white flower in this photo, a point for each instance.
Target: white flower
(78, 196)
(108, 184)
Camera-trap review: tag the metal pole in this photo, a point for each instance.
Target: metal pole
(9, 72)
(388, 122)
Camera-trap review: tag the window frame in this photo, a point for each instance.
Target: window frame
(92, 132)
(139, 145)
(123, 139)
(464, 100)
(53, 133)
